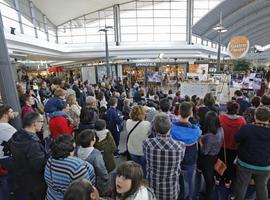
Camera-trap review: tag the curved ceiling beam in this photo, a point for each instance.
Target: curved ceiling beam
(261, 38)
(245, 24)
(259, 31)
(229, 18)
(243, 30)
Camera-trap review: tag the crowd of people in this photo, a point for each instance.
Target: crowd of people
(69, 143)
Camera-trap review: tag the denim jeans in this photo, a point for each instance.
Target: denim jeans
(243, 176)
(140, 160)
(188, 174)
(198, 185)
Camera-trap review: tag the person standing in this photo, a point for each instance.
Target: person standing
(44, 92)
(243, 103)
(138, 130)
(189, 134)
(163, 159)
(210, 145)
(29, 157)
(6, 132)
(87, 152)
(114, 121)
(62, 168)
(28, 102)
(253, 155)
(231, 123)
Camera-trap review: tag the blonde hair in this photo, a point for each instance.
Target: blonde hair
(71, 99)
(137, 113)
(126, 102)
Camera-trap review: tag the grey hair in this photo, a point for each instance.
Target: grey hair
(162, 123)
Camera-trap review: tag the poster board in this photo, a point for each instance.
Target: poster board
(250, 81)
(155, 77)
(88, 73)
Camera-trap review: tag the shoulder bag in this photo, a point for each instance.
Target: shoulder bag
(128, 156)
(220, 166)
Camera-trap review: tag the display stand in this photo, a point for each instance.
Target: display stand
(198, 88)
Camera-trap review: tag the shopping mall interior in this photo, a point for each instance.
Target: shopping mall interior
(138, 99)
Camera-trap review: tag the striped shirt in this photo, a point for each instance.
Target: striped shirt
(60, 173)
(163, 158)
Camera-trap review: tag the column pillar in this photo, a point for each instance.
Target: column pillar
(33, 18)
(56, 35)
(17, 7)
(46, 27)
(117, 24)
(190, 8)
(7, 79)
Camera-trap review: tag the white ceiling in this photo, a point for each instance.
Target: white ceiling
(60, 11)
(241, 17)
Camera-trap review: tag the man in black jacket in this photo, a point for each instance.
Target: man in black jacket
(29, 158)
(253, 155)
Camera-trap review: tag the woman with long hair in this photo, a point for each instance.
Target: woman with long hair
(129, 183)
(210, 144)
(74, 110)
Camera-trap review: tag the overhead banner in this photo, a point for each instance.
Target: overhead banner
(238, 47)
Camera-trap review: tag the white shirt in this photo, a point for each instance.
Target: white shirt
(6, 132)
(138, 135)
(203, 77)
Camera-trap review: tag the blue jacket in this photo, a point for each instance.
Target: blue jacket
(243, 105)
(54, 104)
(189, 134)
(113, 120)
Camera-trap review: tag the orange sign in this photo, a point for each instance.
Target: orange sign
(238, 46)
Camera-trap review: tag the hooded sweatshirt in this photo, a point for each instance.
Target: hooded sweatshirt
(95, 158)
(231, 125)
(102, 134)
(189, 134)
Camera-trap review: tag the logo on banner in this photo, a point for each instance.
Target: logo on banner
(238, 46)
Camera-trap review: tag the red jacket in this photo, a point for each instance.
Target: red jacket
(59, 126)
(231, 127)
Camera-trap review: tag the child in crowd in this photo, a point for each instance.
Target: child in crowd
(56, 102)
(129, 183)
(81, 190)
(87, 152)
(60, 123)
(105, 144)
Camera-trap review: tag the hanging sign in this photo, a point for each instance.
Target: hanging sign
(238, 47)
